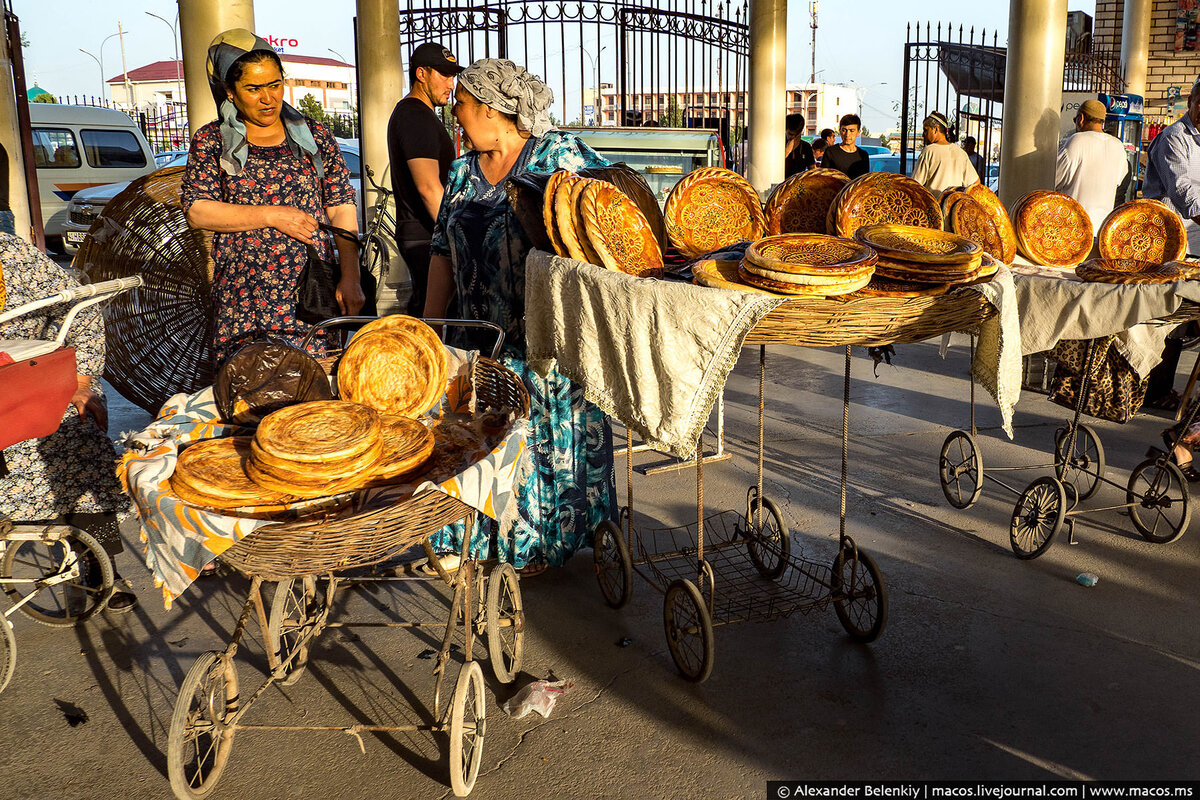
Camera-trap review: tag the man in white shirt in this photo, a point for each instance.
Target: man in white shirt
(1091, 164)
(942, 165)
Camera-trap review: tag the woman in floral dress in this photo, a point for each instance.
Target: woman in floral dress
(69, 476)
(479, 252)
(262, 177)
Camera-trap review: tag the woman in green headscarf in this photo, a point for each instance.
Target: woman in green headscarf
(262, 177)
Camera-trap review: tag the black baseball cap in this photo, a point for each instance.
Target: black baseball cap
(432, 54)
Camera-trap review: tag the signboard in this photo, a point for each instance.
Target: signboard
(589, 114)
(1187, 20)
(1173, 94)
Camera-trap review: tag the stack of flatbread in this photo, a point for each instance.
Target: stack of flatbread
(912, 257)
(214, 473)
(594, 221)
(807, 265)
(395, 365)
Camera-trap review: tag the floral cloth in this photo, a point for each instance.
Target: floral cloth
(70, 471)
(572, 489)
(255, 272)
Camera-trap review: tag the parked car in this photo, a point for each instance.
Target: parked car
(167, 157)
(87, 204)
(890, 162)
(78, 147)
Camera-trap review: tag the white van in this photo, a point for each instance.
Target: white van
(76, 147)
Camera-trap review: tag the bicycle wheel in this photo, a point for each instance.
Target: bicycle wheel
(294, 609)
(374, 256)
(1158, 497)
(960, 469)
(72, 558)
(859, 595)
(1085, 467)
(771, 547)
(505, 615)
(8, 652)
(613, 565)
(200, 738)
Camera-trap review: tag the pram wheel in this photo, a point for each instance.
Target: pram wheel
(614, 567)
(294, 609)
(1158, 498)
(771, 547)
(77, 557)
(1084, 466)
(1037, 517)
(689, 630)
(467, 717)
(505, 623)
(859, 595)
(199, 741)
(960, 469)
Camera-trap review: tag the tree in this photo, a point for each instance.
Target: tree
(674, 116)
(885, 140)
(44, 97)
(864, 132)
(309, 107)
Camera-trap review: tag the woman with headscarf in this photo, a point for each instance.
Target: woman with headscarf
(263, 177)
(479, 252)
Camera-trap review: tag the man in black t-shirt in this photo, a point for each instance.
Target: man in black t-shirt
(420, 152)
(797, 153)
(846, 156)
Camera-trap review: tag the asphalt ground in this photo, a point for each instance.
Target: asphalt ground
(989, 667)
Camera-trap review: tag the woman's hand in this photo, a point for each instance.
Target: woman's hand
(88, 403)
(350, 295)
(293, 222)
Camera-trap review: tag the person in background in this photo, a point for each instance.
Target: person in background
(975, 158)
(818, 149)
(941, 165)
(68, 477)
(420, 152)
(1091, 164)
(847, 156)
(830, 137)
(479, 251)
(797, 153)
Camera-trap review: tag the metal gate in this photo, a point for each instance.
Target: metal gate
(676, 63)
(961, 74)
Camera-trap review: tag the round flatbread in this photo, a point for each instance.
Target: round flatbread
(803, 279)
(307, 473)
(326, 430)
(886, 287)
(1052, 229)
(882, 198)
(268, 480)
(619, 232)
(407, 445)
(925, 273)
(995, 209)
(455, 447)
(779, 287)
(1128, 271)
(1143, 230)
(548, 217)
(918, 245)
(720, 274)
(801, 203)
(214, 471)
(711, 208)
(811, 254)
(970, 220)
(429, 342)
(947, 201)
(389, 371)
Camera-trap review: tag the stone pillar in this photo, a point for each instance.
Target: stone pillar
(199, 23)
(381, 84)
(768, 106)
(10, 138)
(1135, 44)
(1033, 79)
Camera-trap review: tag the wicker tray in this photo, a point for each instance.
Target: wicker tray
(870, 321)
(368, 536)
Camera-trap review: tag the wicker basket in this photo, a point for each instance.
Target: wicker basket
(870, 321)
(368, 536)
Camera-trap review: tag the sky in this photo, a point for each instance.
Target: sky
(858, 43)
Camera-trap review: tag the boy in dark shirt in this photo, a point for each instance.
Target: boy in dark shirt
(420, 152)
(846, 156)
(797, 154)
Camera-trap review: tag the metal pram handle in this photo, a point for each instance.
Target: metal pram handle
(89, 294)
(335, 322)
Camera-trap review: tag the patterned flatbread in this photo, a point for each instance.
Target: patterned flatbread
(390, 371)
(881, 198)
(1128, 271)
(407, 445)
(308, 473)
(1052, 229)
(567, 218)
(995, 209)
(970, 220)
(721, 275)
(918, 245)
(325, 430)
(947, 201)
(811, 254)
(213, 473)
(1143, 230)
(428, 339)
(619, 232)
(887, 287)
(804, 279)
(930, 273)
(780, 287)
(801, 203)
(548, 217)
(712, 208)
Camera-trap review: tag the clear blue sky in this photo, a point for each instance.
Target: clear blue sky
(856, 41)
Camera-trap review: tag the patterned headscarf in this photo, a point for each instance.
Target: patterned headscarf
(511, 89)
(224, 51)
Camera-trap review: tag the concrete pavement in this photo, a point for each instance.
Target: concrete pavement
(989, 667)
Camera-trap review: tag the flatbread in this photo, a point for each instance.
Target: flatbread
(566, 218)
(779, 287)
(556, 240)
(801, 279)
(324, 489)
(619, 232)
(1008, 237)
(1128, 271)
(971, 220)
(307, 473)
(324, 430)
(931, 273)
(918, 245)
(430, 343)
(886, 287)
(454, 445)
(214, 471)
(1052, 229)
(390, 371)
(721, 275)
(407, 445)
(811, 254)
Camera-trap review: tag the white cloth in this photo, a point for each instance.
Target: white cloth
(944, 166)
(1091, 165)
(655, 354)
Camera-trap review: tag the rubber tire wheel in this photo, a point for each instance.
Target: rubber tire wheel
(504, 602)
(874, 593)
(1054, 495)
(82, 543)
(969, 453)
(8, 652)
(1094, 471)
(288, 620)
(214, 679)
(1174, 475)
(680, 595)
(770, 554)
(469, 700)
(611, 559)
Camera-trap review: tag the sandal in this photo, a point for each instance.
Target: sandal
(122, 602)
(529, 570)
(1166, 402)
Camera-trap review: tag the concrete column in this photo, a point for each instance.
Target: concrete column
(768, 104)
(10, 138)
(381, 86)
(1135, 44)
(199, 23)
(1033, 79)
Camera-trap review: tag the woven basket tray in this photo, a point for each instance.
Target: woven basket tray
(368, 536)
(870, 321)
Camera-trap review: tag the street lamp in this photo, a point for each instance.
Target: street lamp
(861, 91)
(100, 61)
(596, 73)
(174, 41)
(344, 60)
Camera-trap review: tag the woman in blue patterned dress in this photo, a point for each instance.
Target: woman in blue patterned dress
(261, 177)
(479, 252)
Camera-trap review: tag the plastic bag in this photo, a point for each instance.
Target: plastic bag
(539, 696)
(265, 376)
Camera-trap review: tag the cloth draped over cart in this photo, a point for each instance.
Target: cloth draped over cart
(656, 354)
(180, 539)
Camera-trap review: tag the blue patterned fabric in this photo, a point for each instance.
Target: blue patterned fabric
(572, 487)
